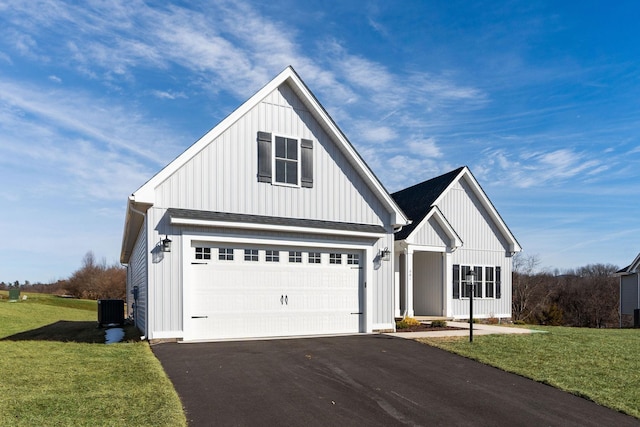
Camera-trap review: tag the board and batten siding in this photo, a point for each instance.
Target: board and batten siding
(629, 293)
(166, 270)
(430, 234)
(137, 276)
(483, 245)
(222, 177)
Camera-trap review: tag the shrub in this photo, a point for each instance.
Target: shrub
(439, 324)
(407, 322)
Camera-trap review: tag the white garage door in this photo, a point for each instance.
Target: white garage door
(259, 291)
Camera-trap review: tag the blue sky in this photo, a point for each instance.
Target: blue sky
(539, 99)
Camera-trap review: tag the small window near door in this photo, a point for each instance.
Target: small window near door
(251, 255)
(272, 256)
(315, 258)
(203, 253)
(335, 258)
(225, 254)
(353, 259)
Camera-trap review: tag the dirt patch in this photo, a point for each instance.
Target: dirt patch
(70, 331)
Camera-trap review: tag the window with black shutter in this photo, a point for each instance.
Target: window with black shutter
(285, 160)
(456, 281)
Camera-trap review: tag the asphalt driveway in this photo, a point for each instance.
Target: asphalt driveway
(363, 380)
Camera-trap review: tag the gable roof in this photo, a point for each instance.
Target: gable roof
(418, 202)
(144, 197)
(631, 268)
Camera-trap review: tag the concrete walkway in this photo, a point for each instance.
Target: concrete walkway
(478, 329)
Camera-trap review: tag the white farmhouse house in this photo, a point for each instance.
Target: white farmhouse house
(455, 230)
(270, 225)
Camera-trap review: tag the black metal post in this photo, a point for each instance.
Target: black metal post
(471, 310)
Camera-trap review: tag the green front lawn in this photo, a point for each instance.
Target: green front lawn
(56, 373)
(599, 364)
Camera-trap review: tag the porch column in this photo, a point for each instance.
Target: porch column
(408, 259)
(447, 275)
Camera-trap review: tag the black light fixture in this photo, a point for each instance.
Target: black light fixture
(385, 254)
(470, 277)
(166, 244)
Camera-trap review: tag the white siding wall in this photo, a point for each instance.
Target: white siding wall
(137, 276)
(430, 234)
(223, 176)
(630, 300)
(483, 246)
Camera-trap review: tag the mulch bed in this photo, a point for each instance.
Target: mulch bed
(425, 327)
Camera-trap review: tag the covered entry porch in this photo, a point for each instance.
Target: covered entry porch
(423, 280)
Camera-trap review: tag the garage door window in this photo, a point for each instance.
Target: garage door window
(314, 258)
(251, 255)
(335, 258)
(225, 254)
(203, 253)
(295, 256)
(272, 256)
(353, 259)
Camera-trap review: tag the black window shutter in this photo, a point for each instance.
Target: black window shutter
(307, 163)
(456, 281)
(264, 157)
(498, 284)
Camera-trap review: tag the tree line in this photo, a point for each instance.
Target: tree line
(585, 297)
(93, 280)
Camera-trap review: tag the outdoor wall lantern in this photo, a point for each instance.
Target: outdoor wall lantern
(470, 277)
(166, 244)
(385, 254)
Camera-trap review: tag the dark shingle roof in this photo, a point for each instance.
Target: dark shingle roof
(416, 201)
(272, 220)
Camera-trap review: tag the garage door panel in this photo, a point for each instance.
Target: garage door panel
(237, 299)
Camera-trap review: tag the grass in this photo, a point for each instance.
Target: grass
(56, 371)
(598, 364)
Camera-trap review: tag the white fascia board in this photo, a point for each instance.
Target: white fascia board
(514, 246)
(270, 227)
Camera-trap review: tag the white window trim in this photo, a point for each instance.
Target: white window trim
(298, 161)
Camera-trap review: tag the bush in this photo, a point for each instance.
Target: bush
(407, 322)
(439, 324)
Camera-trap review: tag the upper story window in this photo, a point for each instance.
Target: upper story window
(285, 160)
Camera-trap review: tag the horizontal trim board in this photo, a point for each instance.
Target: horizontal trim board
(256, 222)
